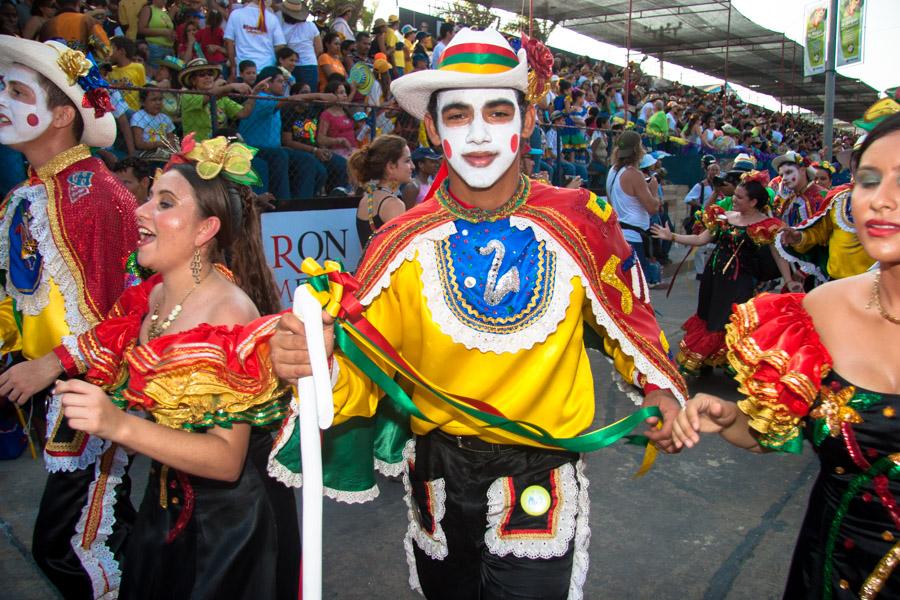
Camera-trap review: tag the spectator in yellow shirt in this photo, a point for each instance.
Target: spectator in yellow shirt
(394, 43)
(125, 71)
(128, 16)
(409, 40)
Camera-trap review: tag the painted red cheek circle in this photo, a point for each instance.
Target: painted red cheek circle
(514, 142)
(448, 151)
(32, 120)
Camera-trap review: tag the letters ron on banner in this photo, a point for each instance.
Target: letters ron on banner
(851, 31)
(815, 22)
(291, 236)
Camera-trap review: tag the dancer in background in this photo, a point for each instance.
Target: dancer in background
(187, 350)
(65, 237)
(806, 374)
(738, 261)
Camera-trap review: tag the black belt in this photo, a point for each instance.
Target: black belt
(469, 442)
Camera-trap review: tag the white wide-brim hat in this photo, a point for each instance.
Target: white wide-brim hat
(44, 58)
(473, 59)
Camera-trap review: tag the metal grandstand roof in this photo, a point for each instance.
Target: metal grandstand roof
(697, 34)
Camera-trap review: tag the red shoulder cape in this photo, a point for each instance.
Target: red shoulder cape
(587, 229)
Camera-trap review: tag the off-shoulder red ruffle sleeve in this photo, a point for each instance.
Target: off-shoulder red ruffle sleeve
(780, 363)
(98, 353)
(210, 375)
(713, 218)
(763, 233)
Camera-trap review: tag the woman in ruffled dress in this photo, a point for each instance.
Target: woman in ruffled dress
(743, 256)
(186, 353)
(826, 367)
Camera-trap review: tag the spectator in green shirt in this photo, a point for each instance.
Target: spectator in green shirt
(201, 76)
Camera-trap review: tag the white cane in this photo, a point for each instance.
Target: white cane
(316, 413)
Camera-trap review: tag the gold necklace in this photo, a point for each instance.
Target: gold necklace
(478, 215)
(157, 328)
(875, 300)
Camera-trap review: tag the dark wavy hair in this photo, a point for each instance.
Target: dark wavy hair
(757, 191)
(238, 244)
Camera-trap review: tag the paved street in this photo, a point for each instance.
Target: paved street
(713, 523)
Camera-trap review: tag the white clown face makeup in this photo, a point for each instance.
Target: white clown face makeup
(790, 176)
(24, 115)
(480, 130)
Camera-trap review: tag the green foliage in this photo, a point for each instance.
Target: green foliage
(471, 14)
(541, 29)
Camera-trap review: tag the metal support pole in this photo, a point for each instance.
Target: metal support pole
(794, 66)
(781, 77)
(727, 48)
(830, 74)
(628, 65)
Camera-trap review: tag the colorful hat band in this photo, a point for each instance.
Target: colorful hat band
(478, 59)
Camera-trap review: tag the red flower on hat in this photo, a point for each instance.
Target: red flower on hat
(98, 99)
(540, 59)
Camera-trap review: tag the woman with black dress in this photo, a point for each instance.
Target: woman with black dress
(825, 366)
(186, 353)
(380, 169)
(743, 256)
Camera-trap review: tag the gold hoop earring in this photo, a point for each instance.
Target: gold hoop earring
(196, 266)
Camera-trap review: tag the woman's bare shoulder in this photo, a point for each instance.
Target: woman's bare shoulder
(842, 297)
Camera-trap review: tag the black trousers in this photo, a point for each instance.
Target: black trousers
(492, 522)
(65, 497)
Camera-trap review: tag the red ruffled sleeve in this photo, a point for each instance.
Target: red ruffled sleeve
(99, 353)
(763, 233)
(713, 217)
(780, 363)
(210, 375)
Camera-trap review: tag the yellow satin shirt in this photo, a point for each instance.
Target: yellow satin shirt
(549, 384)
(40, 333)
(846, 256)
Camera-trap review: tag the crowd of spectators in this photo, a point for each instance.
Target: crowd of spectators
(306, 86)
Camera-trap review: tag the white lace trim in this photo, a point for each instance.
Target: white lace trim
(644, 366)
(348, 497)
(433, 545)
(497, 343)
(411, 564)
(838, 206)
(54, 267)
(92, 449)
(390, 469)
(409, 457)
(552, 544)
(408, 253)
(70, 342)
(98, 560)
(276, 469)
(581, 558)
(807, 267)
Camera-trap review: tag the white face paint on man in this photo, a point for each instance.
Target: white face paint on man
(480, 130)
(24, 115)
(791, 177)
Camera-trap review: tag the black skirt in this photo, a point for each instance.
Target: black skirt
(241, 540)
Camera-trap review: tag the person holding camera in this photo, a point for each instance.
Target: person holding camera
(633, 197)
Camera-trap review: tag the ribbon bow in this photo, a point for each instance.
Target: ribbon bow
(762, 177)
(329, 292)
(218, 156)
(825, 166)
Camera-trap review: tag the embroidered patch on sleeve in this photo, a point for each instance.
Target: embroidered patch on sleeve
(599, 206)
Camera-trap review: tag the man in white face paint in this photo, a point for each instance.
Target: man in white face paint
(797, 195)
(65, 237)
(484, 289)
